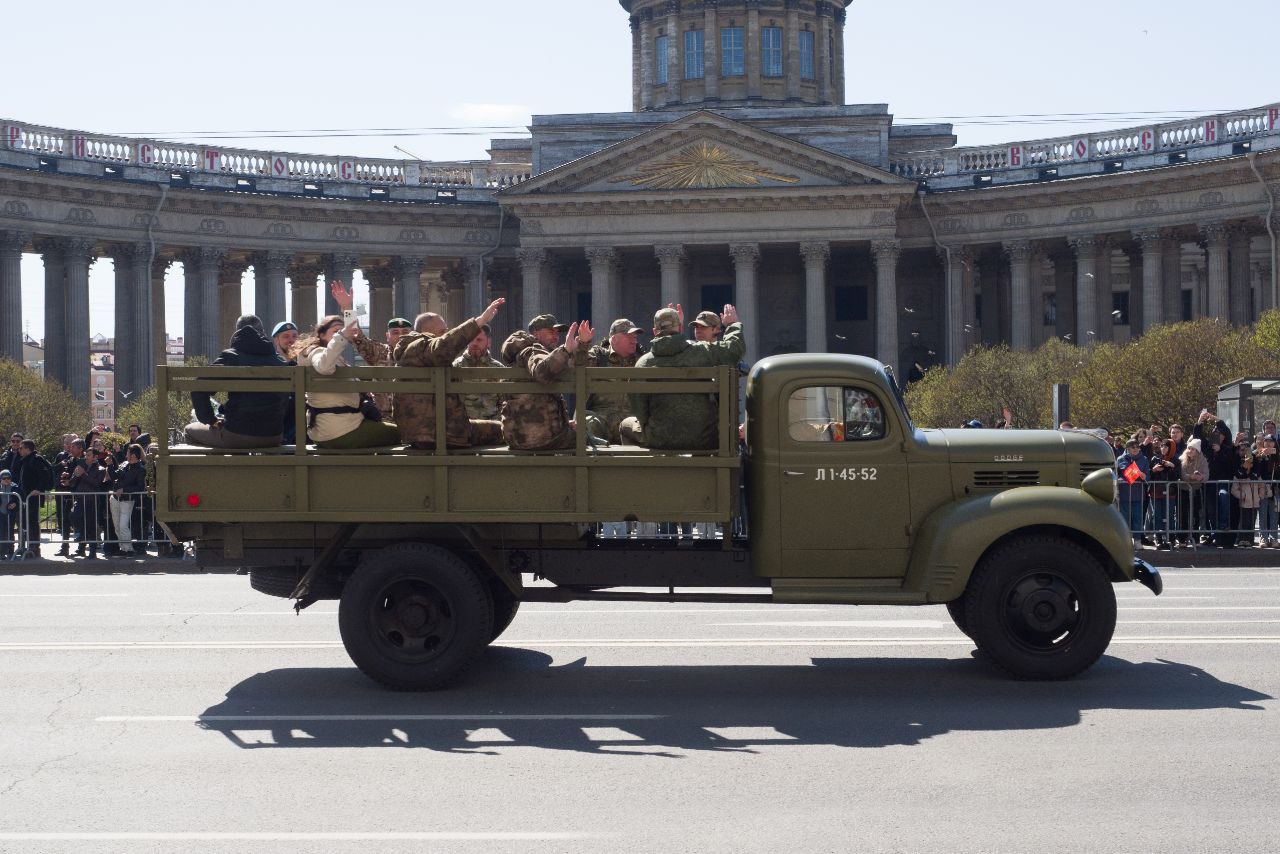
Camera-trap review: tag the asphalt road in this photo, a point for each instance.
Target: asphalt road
(189, 713)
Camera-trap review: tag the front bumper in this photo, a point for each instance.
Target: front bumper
(1148, 576)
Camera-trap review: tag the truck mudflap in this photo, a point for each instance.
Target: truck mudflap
(1148, 576)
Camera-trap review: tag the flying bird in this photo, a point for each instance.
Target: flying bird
(908, 310)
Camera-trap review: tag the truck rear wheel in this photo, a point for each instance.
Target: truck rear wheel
(505, 606)
(1041, 608)
(413, 616)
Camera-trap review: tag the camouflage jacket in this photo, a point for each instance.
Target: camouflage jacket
(610, 408)
(415, 414)
(685, 421)
(534, 422)
(376, 354)
(482, 407)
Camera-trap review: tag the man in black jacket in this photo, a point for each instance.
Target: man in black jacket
(35, 478)
(247, 419)
(1223, 459)
(90, 481)
(10, 459)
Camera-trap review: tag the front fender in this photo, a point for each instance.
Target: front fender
(955, 536)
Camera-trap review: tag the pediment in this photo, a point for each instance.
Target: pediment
(704, 152)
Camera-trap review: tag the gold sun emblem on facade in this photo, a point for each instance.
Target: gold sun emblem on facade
(704, 165)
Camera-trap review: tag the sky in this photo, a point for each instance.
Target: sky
(450, 71)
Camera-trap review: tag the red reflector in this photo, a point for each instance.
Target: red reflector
(193, 500)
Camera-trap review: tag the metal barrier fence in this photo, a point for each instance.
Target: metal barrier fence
(1214, 513)
(84, 521)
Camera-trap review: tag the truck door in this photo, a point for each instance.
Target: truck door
(844, 502)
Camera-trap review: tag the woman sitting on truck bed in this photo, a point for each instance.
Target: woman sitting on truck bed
(340, 420)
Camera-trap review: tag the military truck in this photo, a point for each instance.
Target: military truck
(830, 495)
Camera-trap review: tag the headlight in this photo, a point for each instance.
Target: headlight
(1101, 485)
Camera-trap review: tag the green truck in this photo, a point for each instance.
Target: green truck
(830, 495)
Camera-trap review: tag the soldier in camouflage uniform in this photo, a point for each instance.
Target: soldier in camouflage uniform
(375, 354)
(416, 413)
(706, 326)
(620, 351)
(483, 407)
(540, 422)
(685, 422)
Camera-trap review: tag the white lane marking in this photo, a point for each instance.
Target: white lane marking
(288, 613)
(189, 719)
(308, 836)
(1203, 608)
(63, 595)
(1180, 587)
(1196, 622)
(524, 612)
(853, 624)
(1144, 593)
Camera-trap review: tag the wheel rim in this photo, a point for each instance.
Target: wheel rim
(1042, 611)
(413, 621)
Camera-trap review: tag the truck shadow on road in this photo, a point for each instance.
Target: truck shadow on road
(518, 698)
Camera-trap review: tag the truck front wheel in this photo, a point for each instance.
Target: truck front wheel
(413, 616)
(1041, 608)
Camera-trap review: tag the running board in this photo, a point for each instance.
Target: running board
(564, 594)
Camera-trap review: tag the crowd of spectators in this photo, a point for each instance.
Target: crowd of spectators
(1208, 487)
(91, 496)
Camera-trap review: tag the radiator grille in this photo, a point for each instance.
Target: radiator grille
(1005, 479)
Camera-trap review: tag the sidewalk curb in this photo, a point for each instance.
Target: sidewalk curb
(1204, 558)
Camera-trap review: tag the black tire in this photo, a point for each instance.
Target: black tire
(956, 608)
(505, 607)
(281, 581)
(414, 616)
(1041, 607)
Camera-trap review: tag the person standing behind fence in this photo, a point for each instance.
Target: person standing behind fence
(1165, 473)
(1265, 464)
(1131, 495)
(89, 481)
(10, 514)
(130, 483)
(1248, 490)
(1192, 493)
(34, 480)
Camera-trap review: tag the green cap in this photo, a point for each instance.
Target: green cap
(622, 326)
(399, 323)
(547, 321)
(666, 321)
(707, 318)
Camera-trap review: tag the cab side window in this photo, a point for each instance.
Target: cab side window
(835, 414)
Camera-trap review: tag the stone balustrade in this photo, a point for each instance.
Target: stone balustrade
(1143, 145)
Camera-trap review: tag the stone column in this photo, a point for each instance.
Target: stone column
(1262, 282)
(53, 253)
(1216, 268)
(156, 332)
(408, 287)
(1134, 257)
(1239, 243)
(535, 285)
(711, 53)
(475, 298)
(752, 53)
(746, 258)
(79, 258)
(822, 51)
(1020, 302)
(816, 254)
(342, 266)
(11, 246)
(604, 263)
(1171, 271)
(968, 296)
(302, 278)
(1152, 279)
(381, 298)
(675, 50)
(270, 269)
(637, 71)
(1086, 252)
(647, 59)
(672, 262)
(837, 28)
(125, 260)
(793, 50)
(229, 302)
(203, 268)
(1102, 281)
(886, 254)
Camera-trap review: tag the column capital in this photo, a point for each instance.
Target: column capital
(202, 255)
(669, 253)
(299, 271)
(744, 254)
(1240, 232)
(1151, 239)
(409, 265)
(815, 252)
(344, 262)
(531, 257)
(601, 256)
(886, 251)
(14, 241)
(380, 277)
(1018, 251)
(1213, 232)
(472, 265)
(80, 248)
(958, 254)
(232, 270)
(272, 261)
(1085, 247)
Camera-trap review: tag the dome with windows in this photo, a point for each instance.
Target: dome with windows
(689, 54)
